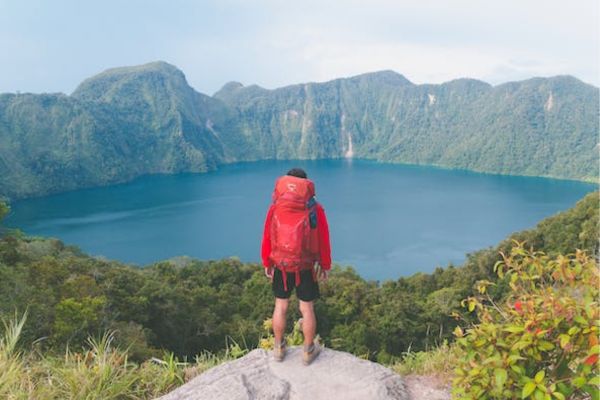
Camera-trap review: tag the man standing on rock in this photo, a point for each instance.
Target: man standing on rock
(295, 239)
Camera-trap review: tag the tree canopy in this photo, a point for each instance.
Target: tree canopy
(187, 307)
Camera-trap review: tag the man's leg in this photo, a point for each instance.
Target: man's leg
(309, 322)
(279, 314)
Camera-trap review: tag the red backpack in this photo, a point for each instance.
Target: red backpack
(294, 240)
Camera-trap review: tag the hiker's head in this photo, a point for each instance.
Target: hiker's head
(297, 172)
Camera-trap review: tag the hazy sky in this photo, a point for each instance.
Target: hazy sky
(52, 45)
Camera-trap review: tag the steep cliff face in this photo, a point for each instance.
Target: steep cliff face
(313, 120)
(172, 126)
(519, 128)
(130, 121)
(333, 375)
(116, 126)
(45, 140)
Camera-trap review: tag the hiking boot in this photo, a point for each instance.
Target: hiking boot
(310, 353)
(279, 351)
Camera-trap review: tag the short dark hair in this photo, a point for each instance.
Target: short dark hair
(297, 172)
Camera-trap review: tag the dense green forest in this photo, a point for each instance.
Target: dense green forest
(187, 307)
(131, 121)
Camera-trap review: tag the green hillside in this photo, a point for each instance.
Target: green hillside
(542, 127)
(131, 121)
(187, 306)
(119, 125)
(189, 309)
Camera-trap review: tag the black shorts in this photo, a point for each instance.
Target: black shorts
(307, 289)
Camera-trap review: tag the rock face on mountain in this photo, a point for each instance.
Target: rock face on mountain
(131, 121)
(333, 375)
(116, 126)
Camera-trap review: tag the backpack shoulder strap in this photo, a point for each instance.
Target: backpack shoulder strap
(312, 212)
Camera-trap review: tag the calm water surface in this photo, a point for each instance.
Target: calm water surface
(385, 220)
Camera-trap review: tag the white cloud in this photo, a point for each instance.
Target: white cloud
(431, 64)
(425, 40)
(275, 43)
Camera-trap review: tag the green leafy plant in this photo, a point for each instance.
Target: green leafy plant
(542, 342)
(233, 349)
(295, 338)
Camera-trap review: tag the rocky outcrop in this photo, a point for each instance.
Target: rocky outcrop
(333, 375)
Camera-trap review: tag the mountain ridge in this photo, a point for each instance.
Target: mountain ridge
(130, 121)
(159, 64)
(451, 81)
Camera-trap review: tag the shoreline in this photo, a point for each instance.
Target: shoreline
(590, 181)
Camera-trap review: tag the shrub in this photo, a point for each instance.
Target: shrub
(542, 343)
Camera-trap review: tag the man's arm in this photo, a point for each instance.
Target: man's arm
(265, 250)
(324, 245)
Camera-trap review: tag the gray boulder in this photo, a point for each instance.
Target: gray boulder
(333, 375)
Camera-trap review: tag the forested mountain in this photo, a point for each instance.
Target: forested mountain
(543, 127)
(126, 122)
(118, 125)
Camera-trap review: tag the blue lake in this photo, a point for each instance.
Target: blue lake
(386, 220)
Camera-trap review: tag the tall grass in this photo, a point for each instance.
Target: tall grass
(99, 371)
(11, 364)
(102, 372)
(438, 361)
